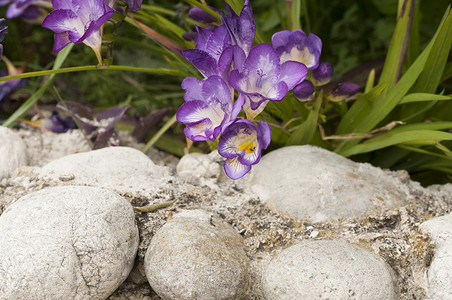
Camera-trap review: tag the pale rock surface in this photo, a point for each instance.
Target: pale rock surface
(66, 243)
(198, 164)
(327, 269)
(310, 182)
(121, 169)
(196, 255)
(13, 153)
(439, 275)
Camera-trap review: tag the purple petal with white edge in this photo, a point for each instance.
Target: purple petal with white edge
(265, 134)
(202, 131)
(241, 28)
(237, 107)
(60, 21)
(202, 119)
(233, 57)
(193, 88)
(234, 169)
(217, 42)
(292, 73)
(61, 41)
(202, 61)
(215, 90)
(202, 37)
(280, 39)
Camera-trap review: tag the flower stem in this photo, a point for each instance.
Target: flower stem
(162, 71)
(159, 133)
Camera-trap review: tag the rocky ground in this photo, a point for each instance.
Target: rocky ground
(392, 231)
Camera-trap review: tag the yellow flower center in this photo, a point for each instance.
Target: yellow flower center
(248, 147)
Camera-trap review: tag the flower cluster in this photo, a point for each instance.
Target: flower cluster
(231, 65)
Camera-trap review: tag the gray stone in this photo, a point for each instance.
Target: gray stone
(198, 164)
(196, 255)
(327, 270)
(122, 169)
(439, 274)
(13, 153)
(66, 243)
(311, 182)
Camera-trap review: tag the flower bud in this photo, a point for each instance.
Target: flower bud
(304, 91)
(201, 16)
(323, 74)
(344, 91)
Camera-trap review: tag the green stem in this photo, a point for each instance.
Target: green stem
(162, 71)
(159, 133)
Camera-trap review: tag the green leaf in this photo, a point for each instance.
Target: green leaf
(397, 49)
(23, 109)
(305, 133)
(418, 97)
(393, 138)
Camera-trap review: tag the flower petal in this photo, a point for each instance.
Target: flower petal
(292, 73)
(234, 169)
(193, 88)
(60, 21)
(202, 61)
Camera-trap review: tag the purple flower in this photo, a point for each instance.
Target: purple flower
(241, 29)
(304, 91)
(241, 144)
(78, 21)
(208, 108)
(344, 91)
(201, 16)
(322, 74)
(209, 48)
(297, 46)
(134, 5)
(25, 9)
(264, 79)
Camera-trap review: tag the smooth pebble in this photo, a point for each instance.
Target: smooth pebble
(66, 243)
(13, 153)
(196, 255)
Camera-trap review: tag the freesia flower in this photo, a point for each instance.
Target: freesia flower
(78, 21)
(344, 91)
(25, 9)
(241, 144)
(264, 79)
(208, 108)
(297, 46)
(201, 16)
(322, 74)
(241, 28)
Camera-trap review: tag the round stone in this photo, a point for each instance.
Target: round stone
(311, 182)
(440, 271)
(13, 153)
(122, 169)
(327, 270)
(66, 243)
(198, 164)
(196, 255)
